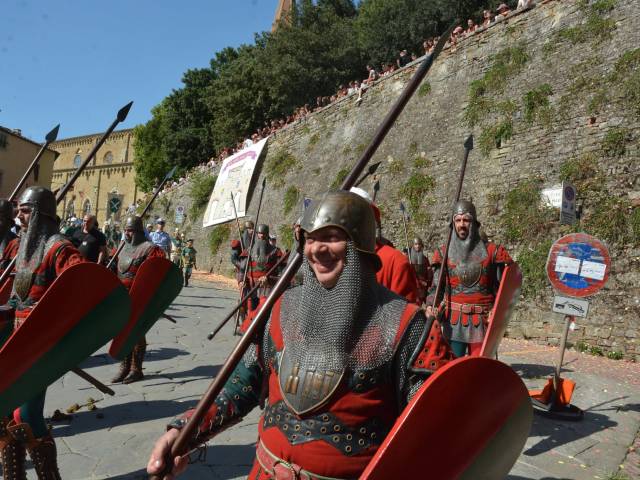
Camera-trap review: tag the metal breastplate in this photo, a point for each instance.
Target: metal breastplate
(468, 273)
(23, 280)
(304, 390)
(128, 255)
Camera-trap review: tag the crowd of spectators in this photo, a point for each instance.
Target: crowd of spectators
(357, 87)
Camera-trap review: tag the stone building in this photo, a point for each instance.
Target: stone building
(16, 154)
(107, 186)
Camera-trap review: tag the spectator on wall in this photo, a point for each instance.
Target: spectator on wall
(503, 10)
(487, 17)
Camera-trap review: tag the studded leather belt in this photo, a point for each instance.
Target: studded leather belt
(470, 307)
(280, 469)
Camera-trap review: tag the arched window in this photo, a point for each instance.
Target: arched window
(77, 160)
(108, 158)
(86, 207)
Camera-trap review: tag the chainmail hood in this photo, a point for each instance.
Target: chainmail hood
(350, 325)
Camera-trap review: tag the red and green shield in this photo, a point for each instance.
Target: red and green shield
(157, 283)
(469, 420)
(499, 317)
(68, 324)
(5, 290)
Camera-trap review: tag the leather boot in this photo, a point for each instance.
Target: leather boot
(125, 368)
(12, 455)
(41, 450)
(136, 364)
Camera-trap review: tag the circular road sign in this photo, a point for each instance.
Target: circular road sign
(578, 265)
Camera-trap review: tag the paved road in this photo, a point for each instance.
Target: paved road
(114, 440)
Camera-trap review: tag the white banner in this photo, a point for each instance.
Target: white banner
(234, 178)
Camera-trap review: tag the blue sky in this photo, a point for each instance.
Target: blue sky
(76, 62)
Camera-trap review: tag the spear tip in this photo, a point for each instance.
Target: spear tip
(53, 134)
(124, 111)
(172, 171)
(264, 181)
(401, 207)
(468, 143)
(373, 167)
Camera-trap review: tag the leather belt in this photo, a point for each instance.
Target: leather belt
(470, 308)
(280, 469)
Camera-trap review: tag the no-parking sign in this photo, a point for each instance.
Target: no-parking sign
(578, 265)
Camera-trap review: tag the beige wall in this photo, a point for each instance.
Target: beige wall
(16, 154)
(109, 176)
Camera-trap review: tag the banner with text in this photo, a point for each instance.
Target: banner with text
(234, 179)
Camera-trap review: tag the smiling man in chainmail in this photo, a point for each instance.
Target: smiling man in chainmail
(474, 269)
(42, 256)
(335, 364)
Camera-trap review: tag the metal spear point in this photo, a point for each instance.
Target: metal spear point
(376, 188)
(370, 171)
(49, 138)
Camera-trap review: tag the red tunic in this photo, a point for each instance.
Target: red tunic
(396, 273)
(58, 258)
(472, 304)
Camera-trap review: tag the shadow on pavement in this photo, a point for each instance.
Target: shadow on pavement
(121, 414)
(96, 361)
(194, 306)
(163, 353)
(532, 370)
(198, 373)
(557, 433)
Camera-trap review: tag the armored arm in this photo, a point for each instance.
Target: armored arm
(408, 381)
(240, 395)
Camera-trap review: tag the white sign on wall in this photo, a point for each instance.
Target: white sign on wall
(234, 178)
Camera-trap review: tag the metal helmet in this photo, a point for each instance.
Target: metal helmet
(465, 207)
(6, 210)
(263, 228)
(134, 223)
(41, 199)
(418, 241)
(349, 212)
(248, 224)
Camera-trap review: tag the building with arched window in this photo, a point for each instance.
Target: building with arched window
(107, 186)
(16, 154)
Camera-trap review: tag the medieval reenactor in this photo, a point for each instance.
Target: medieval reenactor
(333, 364)
(8, 240)
(261, 259)
(42, 256)
(177, 244)
(396, 272)
(273, 241)
(188, 260)
(474, 270)
(420, 264)
(135, 251)
(247, 233)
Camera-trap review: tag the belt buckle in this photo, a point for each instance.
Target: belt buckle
(283, 470)
(466, 308)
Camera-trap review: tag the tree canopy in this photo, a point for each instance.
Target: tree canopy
(322, 45)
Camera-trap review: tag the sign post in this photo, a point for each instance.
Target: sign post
(179, 218)
(578, 266)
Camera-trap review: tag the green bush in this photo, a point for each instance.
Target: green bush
(415, 191)
(493, 136)
(608, 221)
(290, 199)
(595, 350)
(201, 188)
(277, 167)
(286, 236)
(218, 235)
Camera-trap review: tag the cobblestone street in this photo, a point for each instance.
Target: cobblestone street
(114, 440)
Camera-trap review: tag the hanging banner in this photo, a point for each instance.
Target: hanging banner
(234, 179)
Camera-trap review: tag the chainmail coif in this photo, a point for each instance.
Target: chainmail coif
(352, 325)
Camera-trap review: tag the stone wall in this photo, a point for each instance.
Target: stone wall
(549, 101)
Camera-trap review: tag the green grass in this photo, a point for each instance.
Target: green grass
(285, 239)
(504, 65)
(615, 141)
(340, 176)
(415, 191)
(493, 136)
(201, 188)
(524, 217)
(532, 261)
(615, 355)
(537, 106)
(424, 89)
(290, 199)
(277, 167)
(635, 225)
(608, 221)
(596, 351)
(218, 235)
(315, 138)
